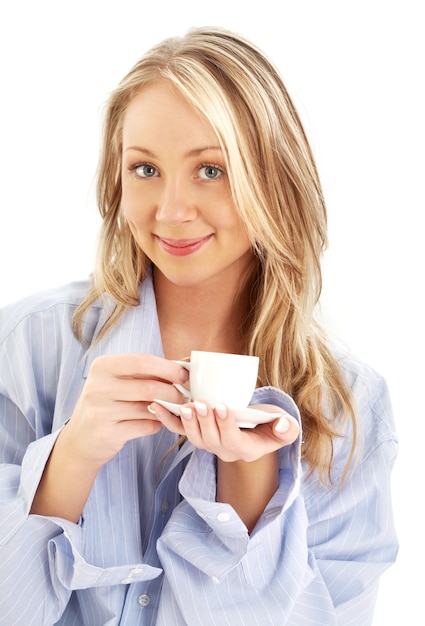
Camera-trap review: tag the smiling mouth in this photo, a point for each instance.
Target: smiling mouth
(183, 247)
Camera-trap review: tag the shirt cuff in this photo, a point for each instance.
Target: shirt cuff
(63, 538)
(18, 505)
(69, 569)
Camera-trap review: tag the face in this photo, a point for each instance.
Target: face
(175, 191)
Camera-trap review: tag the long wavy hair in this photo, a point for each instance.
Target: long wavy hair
(276, 189)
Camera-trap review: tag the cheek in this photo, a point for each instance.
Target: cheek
(133, 207)
(236, 223)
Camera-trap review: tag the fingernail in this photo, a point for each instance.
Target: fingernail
(186, 412)
(221, 410)
(282, 425)
(201, 408)
(184, 375)
(151, 410)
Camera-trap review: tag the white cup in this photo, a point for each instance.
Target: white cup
(217, 377)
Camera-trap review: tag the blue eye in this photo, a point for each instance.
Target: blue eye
(145, 170)
(210, 172)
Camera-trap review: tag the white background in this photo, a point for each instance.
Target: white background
(355, 70)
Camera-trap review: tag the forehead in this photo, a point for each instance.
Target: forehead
(160, 112)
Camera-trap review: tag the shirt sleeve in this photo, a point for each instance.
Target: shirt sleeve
(42, 558)
(314, 557)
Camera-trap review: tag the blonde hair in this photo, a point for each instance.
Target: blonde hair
(276, 188)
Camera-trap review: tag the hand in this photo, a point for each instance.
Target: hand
(112, 408)
(216, 431)
(247, 459)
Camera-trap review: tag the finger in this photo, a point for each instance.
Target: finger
(138, 365)
(172, 422)
(133, 429)
(234, 441)
(251, 444)
(101, 439)
(286, 429)
(200, 426)
(208, 427)
(129, 390)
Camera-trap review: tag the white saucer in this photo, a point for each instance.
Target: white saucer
(245, 418)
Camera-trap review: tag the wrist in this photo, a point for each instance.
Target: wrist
(248, 485)
(66, 482)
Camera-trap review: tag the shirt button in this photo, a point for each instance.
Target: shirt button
(164, 507)
(223, 517)
(215, 580)
(143, 600)
(136, 570)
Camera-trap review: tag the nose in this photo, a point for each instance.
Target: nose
(175, 204)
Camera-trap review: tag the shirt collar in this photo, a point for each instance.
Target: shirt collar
(137, 330)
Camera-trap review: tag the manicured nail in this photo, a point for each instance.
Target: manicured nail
(186, 412)
(184, 374)
(151, 410)
(221, 410)
(282, 425)
(201, 408)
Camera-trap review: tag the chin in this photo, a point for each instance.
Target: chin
(190, 278)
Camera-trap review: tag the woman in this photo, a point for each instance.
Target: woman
(115, 511)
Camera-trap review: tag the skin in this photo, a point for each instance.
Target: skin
(177, 201)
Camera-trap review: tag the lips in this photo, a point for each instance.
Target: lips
(183, 247)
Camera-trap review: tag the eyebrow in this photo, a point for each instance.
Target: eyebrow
(193, 152)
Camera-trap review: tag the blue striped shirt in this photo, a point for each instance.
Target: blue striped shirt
(153, 546)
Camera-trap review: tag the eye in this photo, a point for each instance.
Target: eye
(144, 170)
(210, 172)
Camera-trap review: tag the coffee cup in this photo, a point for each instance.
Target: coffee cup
(218, 377)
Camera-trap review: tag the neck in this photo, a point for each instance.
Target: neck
(200, 317)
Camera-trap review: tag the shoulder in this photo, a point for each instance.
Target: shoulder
(365, 381)
(54, 304)
(372, 399)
